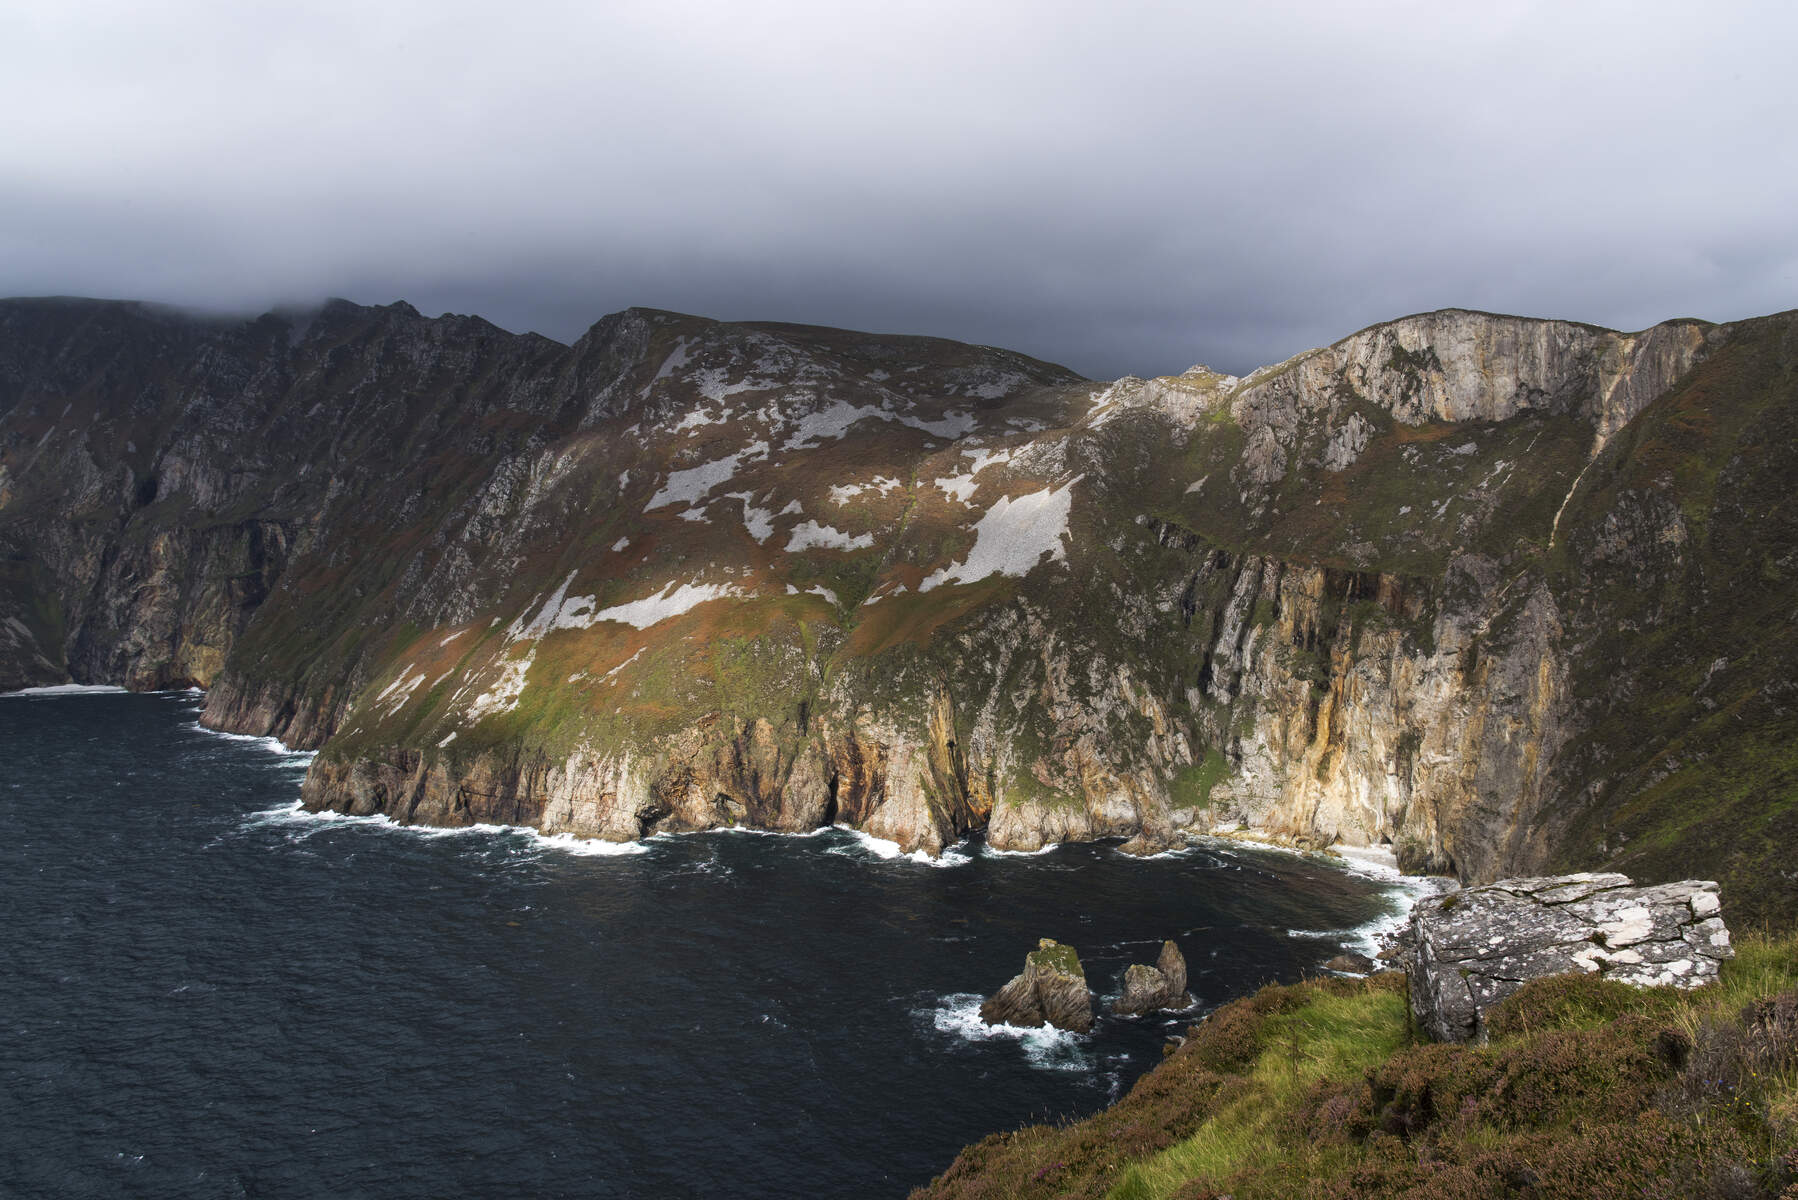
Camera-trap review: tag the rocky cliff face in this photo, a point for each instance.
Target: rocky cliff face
(1416, 588)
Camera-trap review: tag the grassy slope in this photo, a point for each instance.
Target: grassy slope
(1688, 674)
(1587, 1089)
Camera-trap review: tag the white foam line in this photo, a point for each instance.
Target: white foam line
(779, 833)
(273, 745)
(1368, 862)
(69, 689)
(567, 843)
(991, 851)
(1045, 1046)
(893, 852)
(1174, 852)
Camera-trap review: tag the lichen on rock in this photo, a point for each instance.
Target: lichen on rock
(1469, 949)
(1161, 987)
(1051, 990)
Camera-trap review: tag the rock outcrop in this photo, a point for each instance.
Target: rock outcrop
(1468, 950)
(1154, 989)
(1051, 990)
(1350, 964)
(1414, 588)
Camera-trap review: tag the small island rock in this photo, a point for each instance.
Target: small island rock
(1148, 989)
(1350, 964)
(1051, 991)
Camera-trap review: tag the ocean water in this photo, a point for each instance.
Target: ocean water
(205, 993)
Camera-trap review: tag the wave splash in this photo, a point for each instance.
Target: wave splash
(958, 1015)
(867, 844)
(294, 815)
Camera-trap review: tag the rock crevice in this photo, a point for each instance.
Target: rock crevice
(1468, 950)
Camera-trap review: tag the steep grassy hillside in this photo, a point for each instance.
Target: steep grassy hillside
(1678, 565)
(1587, 1089)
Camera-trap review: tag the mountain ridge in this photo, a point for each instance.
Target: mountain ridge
(914, 586)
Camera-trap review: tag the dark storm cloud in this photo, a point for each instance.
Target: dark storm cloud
(1130, 187)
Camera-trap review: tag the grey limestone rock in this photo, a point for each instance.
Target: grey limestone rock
(1050, 991)
(1468, 950)
(1149, 989)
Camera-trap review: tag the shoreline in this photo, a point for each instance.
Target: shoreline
(1368, 862)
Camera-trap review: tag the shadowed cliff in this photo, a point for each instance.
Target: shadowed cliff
(1505, 594)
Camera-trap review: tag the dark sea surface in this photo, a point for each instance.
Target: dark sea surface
(205, 994)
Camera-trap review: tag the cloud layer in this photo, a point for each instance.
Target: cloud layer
(1121, 188)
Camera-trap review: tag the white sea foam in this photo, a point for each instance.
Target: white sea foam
(750, 829)
(68, 689)
(1377, 861)
(566, 843)
(270, 744)
(1370, 862)
(1403, 893)
(992, 851)
(958, 1015)
(867, 843)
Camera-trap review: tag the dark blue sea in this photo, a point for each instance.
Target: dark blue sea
(206, 994)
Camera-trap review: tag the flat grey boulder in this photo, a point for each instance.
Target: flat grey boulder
(1151, 989)
(1050, 991)
(1468, 950)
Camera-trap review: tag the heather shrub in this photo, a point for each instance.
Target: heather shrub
(1574, 1002)
(1587, 1089)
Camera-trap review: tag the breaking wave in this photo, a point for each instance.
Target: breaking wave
(867, 844)
(565, 843)
(958, 1015)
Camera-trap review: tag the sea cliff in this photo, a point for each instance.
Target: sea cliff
(1509, 595)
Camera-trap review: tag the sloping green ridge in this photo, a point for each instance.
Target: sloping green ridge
(1689, 671)
(1587, 1089)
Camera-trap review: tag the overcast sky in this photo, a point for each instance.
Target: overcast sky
(1118, 187)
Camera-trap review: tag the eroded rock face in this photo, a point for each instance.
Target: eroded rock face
(1051, 990)
(1470, 949)
(684, 574)
(1152, 989)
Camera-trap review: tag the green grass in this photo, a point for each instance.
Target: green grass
(1058, 957)
(1192, 785)
(1588, 1088)
(1330, 1036)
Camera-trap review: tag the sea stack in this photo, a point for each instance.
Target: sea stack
(1151, 989)
(1050, 991)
